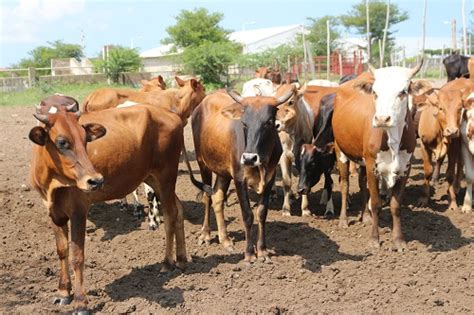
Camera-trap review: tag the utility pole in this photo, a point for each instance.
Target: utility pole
(328, 50)
(368, 30)
(453, 35)
(382, 55)
(464, 29)
(423, 28)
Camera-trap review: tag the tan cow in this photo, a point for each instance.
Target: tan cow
(101, 156)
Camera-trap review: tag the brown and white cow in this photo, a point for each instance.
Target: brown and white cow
(372, 125)
(467, 149)
(101, 156)
(236, 139)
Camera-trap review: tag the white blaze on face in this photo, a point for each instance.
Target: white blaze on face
(52, 110)
(389, 83)
(258, 87)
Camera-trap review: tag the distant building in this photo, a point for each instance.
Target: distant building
(162, 59)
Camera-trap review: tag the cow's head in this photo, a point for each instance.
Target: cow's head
(191, 93)
(51, 104)
(154, 84)
(64, 140)
(390, 89)
(312, 165)
(286, 114)
(451, 105)
(257, 115)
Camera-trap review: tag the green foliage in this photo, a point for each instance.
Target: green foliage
(41, 56)
(194, 27)
(277, 57)
(211, 60)
(357, 19)
(120, 59)
(318, 34)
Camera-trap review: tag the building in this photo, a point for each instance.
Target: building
(163, 60)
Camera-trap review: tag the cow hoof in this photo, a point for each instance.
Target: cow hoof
(60, 300)
(265, 259)
(153, 226)
(343, 223)
(374, 243)
(400, 245)
(453, 207)
(82, 312)
(181, 265)
(306, 213)
(250, 258)
(286, 213)
(167, 266)
(204, 239)
(466, 209)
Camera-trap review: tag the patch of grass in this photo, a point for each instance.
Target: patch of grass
(34, 95)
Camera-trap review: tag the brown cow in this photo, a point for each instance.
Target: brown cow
(57, 100)
(451, 97)
(372, 126)
(70, 177)
(236, 138)
(154, 84)
(270, 74)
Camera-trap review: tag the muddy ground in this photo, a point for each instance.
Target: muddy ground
(316, 266)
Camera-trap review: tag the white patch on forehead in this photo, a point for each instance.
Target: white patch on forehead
(391, 80)
(258, 87)
(127, 104)
(52, 110)
(386, 166)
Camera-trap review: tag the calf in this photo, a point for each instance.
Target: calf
(372, 126)
(235, 138)
(318, 158)
(123, 150)
(467, 149)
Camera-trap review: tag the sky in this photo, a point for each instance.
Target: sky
(26, 24)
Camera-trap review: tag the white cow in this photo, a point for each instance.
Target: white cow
(467, 150)
(258, 87)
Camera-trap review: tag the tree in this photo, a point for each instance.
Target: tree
(318, 34)
(41, 56)
(120, 59)
(194, 27)
(357, 19)
(207, 51)
(277, 56)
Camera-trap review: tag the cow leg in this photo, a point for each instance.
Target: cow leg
(328, 183)
(123, 204)
(459, 174)
(179, 233)
(155, 214)
(64, 296)
(343, 167)
(437, 170)
(395, 202)
(137, 207)
(453, 157)
(305, 205)
(247, 218)
(374, 201)
(469, 168)
(205, 237)
(170, 212)
(285, 165)
(220, 190)
(262, 212)
(78, 234)
(365, 214)
(428, 170)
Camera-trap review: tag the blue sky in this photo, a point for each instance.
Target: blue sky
(26, 24)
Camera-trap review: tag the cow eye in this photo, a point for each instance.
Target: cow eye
(402, 94)
(62, 144)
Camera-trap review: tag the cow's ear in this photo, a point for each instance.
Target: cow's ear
(38, 135)
(180, 82)
(162, 81)
(419, 87)
(94, 131)
(195, 84)
(364, 86)
(233, 111)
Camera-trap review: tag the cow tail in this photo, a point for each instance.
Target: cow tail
(201, 186)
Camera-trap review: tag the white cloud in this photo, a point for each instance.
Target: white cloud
(21, 23)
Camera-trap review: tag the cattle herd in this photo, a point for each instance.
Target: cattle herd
(369, 123)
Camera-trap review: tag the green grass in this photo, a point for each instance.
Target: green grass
(34, 95)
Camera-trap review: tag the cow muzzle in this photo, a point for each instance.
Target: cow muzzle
(382, 121)
(451, 132)
(250, 159)
(91, 183)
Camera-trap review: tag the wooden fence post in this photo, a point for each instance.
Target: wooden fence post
(31, 76)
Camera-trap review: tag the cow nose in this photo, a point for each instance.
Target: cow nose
(278, 125)
(251, 159)
(382, 120)
(451, 132)
(96, 182)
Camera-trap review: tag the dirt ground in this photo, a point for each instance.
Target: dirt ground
(316, 266)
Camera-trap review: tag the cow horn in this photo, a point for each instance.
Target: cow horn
(371, 68)
(284, 98)
(70, 107)
(235, 96)
(78, 114)
(415, 70)
(42, 118)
